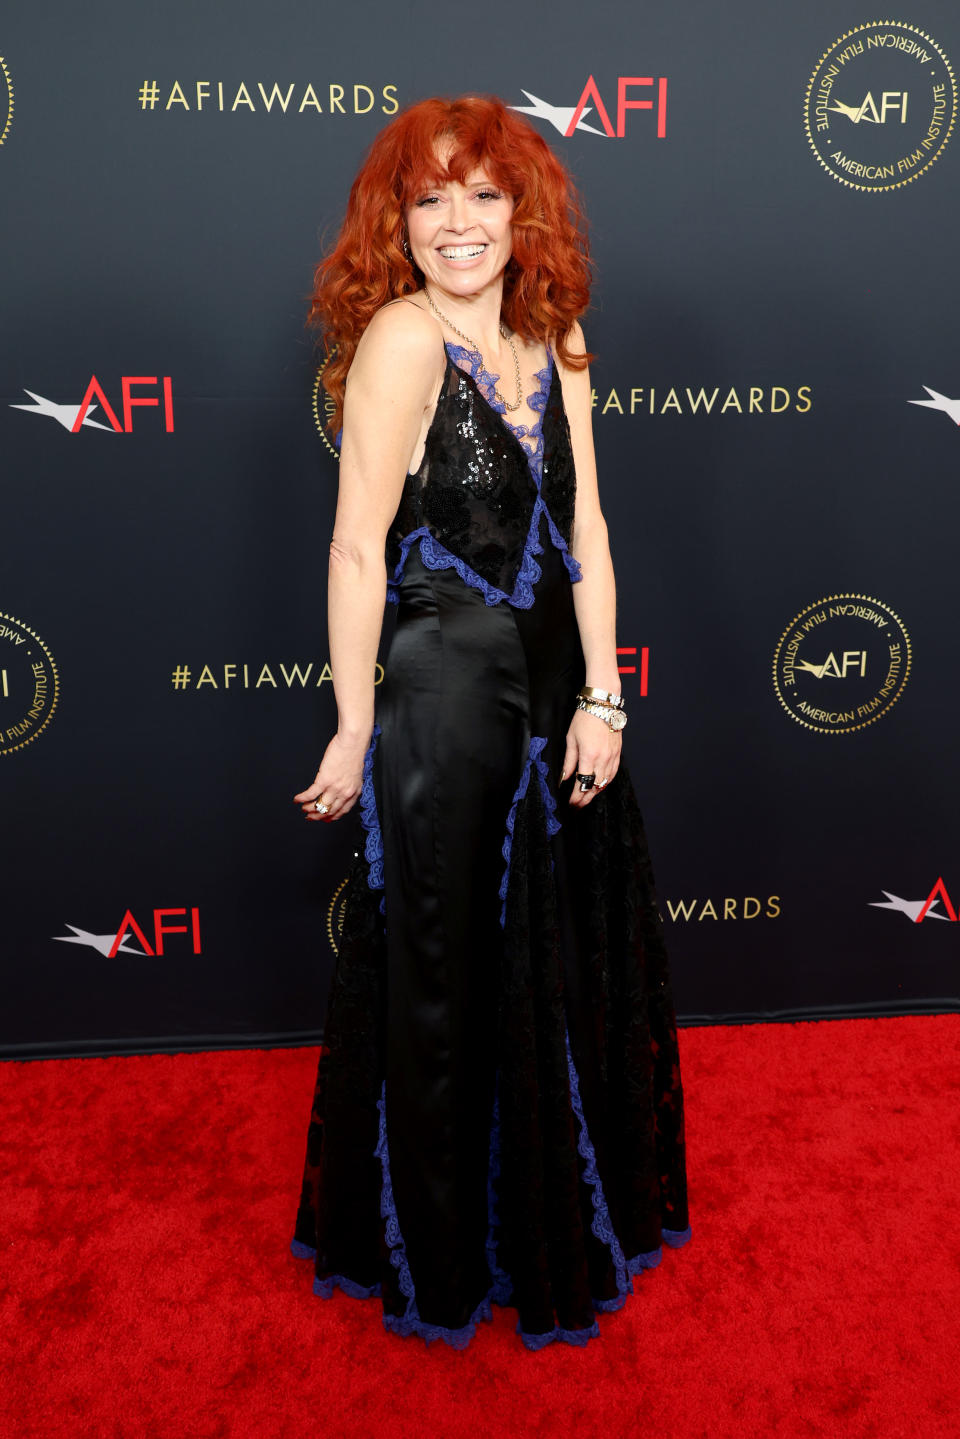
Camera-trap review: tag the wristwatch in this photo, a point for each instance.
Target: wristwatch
(615, 718)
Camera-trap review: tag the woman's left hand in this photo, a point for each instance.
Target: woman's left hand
(592, 748)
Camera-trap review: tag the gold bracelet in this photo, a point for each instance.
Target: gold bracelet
(603, 697)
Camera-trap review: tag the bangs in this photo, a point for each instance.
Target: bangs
(455, 151)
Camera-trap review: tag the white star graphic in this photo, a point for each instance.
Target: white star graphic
(103, 943)
(940, 402)
(559, 116)
(910, 907)
(65, 415)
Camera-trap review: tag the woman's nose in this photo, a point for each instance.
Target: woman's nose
(458, 219)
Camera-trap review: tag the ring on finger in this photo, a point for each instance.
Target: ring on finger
(320, 807)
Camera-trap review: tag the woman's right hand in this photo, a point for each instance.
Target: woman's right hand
(338, 780)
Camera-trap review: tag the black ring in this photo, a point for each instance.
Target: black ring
(586, 781)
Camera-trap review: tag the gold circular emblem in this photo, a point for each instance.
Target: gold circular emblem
(880, 105)
(29, 684)
(335, 912)
(6, 100)
(841, 663)
(320, 398)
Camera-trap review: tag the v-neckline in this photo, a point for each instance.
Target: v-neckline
(535, 430)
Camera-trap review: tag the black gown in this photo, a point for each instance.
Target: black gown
(498, 1111)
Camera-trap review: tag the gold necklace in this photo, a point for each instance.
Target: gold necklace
(476, 348)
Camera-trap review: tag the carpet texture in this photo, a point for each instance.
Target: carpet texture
(147, 1287)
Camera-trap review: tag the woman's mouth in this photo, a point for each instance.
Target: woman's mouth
(461, 252)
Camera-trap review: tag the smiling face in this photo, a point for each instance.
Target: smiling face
(460, 234)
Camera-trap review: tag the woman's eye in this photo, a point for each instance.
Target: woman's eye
(489, 195)
(426, 200)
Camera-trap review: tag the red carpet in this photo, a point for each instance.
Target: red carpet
(148, 1290)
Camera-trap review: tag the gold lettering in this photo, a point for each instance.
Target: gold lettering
(177, 96)
(685, 910)
(296, 673)
(702, 399)
(282, 100)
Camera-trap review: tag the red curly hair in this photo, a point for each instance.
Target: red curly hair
(547, 280)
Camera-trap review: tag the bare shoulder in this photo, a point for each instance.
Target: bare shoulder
(576, 384)
(576, 345)
(401, 332)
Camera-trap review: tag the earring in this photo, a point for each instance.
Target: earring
(406, 248)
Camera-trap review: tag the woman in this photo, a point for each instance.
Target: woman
(498, 1113)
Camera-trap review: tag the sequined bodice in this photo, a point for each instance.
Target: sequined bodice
(483, 487)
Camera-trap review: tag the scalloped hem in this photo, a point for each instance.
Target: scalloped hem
(404, 1326)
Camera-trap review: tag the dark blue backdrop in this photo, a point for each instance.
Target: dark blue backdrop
(165, 208)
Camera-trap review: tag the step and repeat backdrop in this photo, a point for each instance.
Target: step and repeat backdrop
(773, 196)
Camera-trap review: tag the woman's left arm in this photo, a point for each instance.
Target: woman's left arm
(592, 746)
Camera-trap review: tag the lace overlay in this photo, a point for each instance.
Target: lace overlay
(472, 506)
(569, 1224)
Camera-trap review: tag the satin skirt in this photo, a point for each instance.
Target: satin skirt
(498, 1112)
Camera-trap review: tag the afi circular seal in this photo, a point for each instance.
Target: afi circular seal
(880, 106)
(29, 684)
(841, 663)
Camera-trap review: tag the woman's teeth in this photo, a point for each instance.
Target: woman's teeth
(461, 252)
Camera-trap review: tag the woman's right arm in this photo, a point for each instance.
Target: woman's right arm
(395, 376)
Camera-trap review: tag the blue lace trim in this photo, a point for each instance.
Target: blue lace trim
(436, 557)
(578, 1337)
(501, 1289)
(601, 1224)
(325, 1286)
(537, 743)
(410, 1322)
(373, 847)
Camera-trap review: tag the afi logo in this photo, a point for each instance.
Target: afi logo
(567, 118)
(832, 669)
(951, 408)
(895, 100)
(631, 669)
(73, 417)
(917, 910)
(160, 928)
